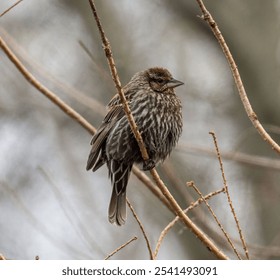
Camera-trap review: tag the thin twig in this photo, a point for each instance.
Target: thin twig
(121, 247)
(175, 206)
(176, 219)
(238, 81)
(142, 229)
(192, 185)
(101, 71)
(227, 193)
(170, 172)
(187, 221)
(6, 11)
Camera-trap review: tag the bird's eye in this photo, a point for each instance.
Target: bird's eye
(160, 80)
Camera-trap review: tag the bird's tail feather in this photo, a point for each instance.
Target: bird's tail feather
(119, 174)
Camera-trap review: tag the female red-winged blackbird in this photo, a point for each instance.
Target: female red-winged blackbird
(158, 114)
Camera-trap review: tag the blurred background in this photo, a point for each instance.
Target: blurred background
(51, 207)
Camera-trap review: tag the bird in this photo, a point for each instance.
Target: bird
(157, 112)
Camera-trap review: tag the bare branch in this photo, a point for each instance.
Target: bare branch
(153, 188)
(228, 196)
(192, 185)
(142, 229)
(121, 247)
(6, 11)
(176, 219)
(244, 98)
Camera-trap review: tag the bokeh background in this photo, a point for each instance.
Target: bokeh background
(51, 207)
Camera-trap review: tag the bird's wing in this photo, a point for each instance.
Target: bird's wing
(129, 93)
(96, 158)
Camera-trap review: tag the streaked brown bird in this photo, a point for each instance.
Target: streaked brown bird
(158, 114)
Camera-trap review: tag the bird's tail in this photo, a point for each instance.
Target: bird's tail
(119, 174)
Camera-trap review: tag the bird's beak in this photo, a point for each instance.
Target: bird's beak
(174, 83)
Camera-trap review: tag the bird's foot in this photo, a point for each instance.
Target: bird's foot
(148, 164)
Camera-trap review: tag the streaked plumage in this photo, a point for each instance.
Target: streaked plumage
(158, 114)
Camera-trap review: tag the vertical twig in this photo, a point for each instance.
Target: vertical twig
(192, 185)
(142, 229)
(227, 193)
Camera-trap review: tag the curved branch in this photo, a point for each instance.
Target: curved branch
(244, 98)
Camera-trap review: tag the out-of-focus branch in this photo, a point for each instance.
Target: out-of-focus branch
(175, 206)
(6, 11)
(244, 98)
(253, 160)
(49, 94)
(40, 72)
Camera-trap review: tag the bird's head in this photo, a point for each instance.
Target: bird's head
(161, 80)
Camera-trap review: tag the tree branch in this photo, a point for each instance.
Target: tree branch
(121, 247)
(245, 100)
(176, 219)
(10, 8)
(142, 229)
(228, 196)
